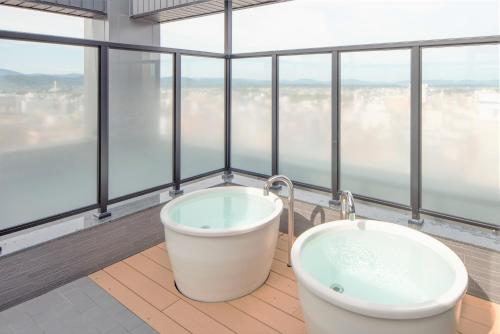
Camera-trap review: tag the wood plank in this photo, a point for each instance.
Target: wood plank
(481, 303)
(281, 255)
(283, 269)
(282, 244)
(149, 290)
(234, 318)
(272, 308)
(193, 319)
(283, 284)
(467, 326)
(279, 300)
(277, 319)
(161, 275)
(480, 315)
(158, 255)
(144, 310)
(225, 313)
(283, 241)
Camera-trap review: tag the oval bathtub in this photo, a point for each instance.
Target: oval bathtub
(221, 241)
(380, 278)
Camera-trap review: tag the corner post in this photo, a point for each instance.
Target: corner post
(228, 50)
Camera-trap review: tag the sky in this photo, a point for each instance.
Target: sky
(292, 24)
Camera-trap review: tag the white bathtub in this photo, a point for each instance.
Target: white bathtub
(221, 241)
(378, 278)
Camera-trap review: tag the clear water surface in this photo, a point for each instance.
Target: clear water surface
(221, 209)
(377, 267)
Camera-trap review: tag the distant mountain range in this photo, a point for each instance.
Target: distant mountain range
(19, 82)
(12, 81)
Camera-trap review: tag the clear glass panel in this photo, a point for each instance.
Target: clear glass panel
(318, 23)
(202, 121)
(251, 118)
(461, 131)
(48, 130)
(205, 33)
(375, 124)
(140, 121)
(305, 113)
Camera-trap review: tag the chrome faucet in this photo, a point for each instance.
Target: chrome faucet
(289, 184)
(347, 209)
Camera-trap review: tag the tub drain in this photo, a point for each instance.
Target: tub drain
(205, 227)
(337, 288)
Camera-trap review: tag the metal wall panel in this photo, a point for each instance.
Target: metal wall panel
(172, 10)
(85, 8)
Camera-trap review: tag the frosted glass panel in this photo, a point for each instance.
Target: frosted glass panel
(202, 110)
(461, 131)
(375, 124)
(251, 117)
(305, 118)
(48, 130)
(140, 121)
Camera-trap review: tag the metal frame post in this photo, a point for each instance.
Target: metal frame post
(228, 49)
(416, 135)
(275, 115)
(103, 142)
(176, 133)
(335, 169)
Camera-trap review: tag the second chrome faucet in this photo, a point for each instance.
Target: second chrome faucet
(347, 209)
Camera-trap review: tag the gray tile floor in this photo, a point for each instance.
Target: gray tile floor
(80, 307)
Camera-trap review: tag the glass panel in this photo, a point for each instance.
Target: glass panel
(205, 33)
(48, 130)
(40, 22)
(202, 123)
(461, 131)
(375, 114)
(140, 121)
(251, 118)
(319, 23)
(305, 118)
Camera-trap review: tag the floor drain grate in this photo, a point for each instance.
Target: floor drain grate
(337, 288)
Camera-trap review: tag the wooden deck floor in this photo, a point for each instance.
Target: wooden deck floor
(144, 284)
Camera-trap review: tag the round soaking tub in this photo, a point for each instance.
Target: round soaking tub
(380, 278)
(221, 241)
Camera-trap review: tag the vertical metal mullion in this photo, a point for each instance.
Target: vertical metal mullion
(227, 115)
(228, 49)
(416, 134)
(176, 121)
(103, 130)
(335, 93)
(275, 115)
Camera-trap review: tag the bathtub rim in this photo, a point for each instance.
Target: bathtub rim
(434, 307)
(169, 223)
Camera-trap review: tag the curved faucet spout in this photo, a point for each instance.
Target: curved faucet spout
(291, 226)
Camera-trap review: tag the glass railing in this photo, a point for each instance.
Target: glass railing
(87, 123)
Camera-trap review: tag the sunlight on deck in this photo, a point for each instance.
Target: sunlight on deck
(144, 283)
